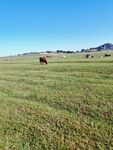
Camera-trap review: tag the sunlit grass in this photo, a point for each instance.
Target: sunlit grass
(67, 104)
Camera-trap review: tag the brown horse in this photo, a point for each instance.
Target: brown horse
(43, 60)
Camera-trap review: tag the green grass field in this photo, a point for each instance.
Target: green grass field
(65, 105)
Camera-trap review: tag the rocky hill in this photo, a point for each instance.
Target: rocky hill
(106, 46)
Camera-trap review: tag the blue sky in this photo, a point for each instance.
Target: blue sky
(40, 25)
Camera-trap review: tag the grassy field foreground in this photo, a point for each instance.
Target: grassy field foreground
(65, 105)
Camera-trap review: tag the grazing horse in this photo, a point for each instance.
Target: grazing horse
(89, 56)
(43, 60)
(107, 55)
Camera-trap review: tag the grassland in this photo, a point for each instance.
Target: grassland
(65, 105)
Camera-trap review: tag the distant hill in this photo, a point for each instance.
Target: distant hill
(106, 46)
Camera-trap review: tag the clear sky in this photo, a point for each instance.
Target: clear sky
(40, 25)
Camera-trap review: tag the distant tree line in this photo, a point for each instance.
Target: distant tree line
(57, 51)
(31, 53)
(106, 46)
(62, 51)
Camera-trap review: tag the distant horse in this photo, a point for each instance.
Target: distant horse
(43, 60)
(107, 55)
(89, 56)
(49, 56)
